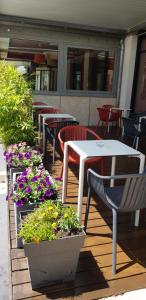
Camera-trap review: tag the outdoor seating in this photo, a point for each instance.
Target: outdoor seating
(135, 129)
(107, 115)
(52, 129)
(78, 133)
(125, 198)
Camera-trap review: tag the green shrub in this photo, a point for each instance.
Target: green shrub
(50, 222)
(15, 106)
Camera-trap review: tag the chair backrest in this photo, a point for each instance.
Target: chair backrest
(103, 113)
(76, 133)
(143, 128)
(49, 110)
(107, 106)
(106, 115)
(39, 103)
(130, 127)
(134, 194)
(54, 127)
(130, 196)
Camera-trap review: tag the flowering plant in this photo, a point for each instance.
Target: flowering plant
(50, 222)
(34, 186)
(22, 155)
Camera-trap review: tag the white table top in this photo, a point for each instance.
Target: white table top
(55, 116)
(93, 148)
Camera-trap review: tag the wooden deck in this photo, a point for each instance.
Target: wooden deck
(94, 278)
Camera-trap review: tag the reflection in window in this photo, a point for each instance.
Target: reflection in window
(38, 61)
(90, 70)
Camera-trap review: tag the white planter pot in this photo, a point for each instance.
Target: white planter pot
(51, 261)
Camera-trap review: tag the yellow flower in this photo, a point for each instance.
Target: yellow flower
(54, 225)
(42, 216)
(50, 208)
(55, 215)
(65, 215)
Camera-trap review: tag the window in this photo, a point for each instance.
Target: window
(38, 61)
(90, 70)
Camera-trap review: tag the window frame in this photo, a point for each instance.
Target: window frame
(110, 94)
(62, 70)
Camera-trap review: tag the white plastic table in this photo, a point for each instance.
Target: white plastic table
(45, 117)
(94, 148)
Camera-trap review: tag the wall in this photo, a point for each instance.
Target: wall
(83, 108)
(130, 46)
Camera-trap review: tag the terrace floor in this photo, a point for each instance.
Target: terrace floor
(94, 279)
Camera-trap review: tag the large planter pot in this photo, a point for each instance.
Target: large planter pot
(19, 212)
(51, 261)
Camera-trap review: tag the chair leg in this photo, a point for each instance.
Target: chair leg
(102, 167)
(114, 252)
(53, 159)
(87, 208)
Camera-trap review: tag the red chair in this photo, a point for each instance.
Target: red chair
(39, 103)
(78, 133)
(49, 110)
(107, 106)
(108, 116)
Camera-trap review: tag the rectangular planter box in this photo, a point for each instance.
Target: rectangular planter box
(53, 261)
(18, 211)
(13, 175)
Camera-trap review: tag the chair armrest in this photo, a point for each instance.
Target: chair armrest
(125, 176)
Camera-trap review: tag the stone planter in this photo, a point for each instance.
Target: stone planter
(18, 214)
(52, 261)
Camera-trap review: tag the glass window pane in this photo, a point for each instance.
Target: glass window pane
(38, 61)
(90, 70)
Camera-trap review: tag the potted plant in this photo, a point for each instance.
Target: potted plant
(52, 237)
(21, 156)
(32, 187)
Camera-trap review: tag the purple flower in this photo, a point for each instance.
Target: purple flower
(5, 153)
(24, 200)
(19, 179)
(34, 178)
(58, 179)
(39, 188)
(28, 155)
(24, 172)
(48, 183)
(48, 193)
(28, 189)
(20, 156)
(41, 199)
(21, 186)
(19, 203)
